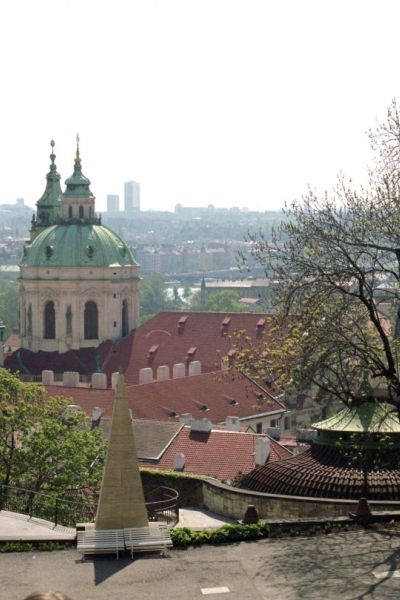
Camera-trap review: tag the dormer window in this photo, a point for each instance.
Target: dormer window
(260, 327)
(225, 325)
(90, 251)
(49, 251)
(181, 323)
(152, 351)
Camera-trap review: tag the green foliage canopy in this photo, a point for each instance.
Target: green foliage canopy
(43, 445)
(224, 301)
(9, 303)
(336, 259)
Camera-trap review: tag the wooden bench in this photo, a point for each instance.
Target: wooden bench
(154, 538)
(95, 541)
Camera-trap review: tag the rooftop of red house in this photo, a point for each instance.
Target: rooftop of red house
(220, 454)
(13, 340)
(212, 395)
(166, 339)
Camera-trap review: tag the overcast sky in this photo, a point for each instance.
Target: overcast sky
(224, 102)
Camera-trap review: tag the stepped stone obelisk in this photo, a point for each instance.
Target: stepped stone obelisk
(121, 503)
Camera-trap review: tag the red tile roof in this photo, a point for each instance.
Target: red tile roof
(13, 340)
(220, 454)
(212, 395)
(327, 472)
(172, 333)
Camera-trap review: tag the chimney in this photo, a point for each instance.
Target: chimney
(145, 375)
(186, 418)
(99, 381)
(48, 377)
(273, 432)
(263, 446)
(114, 380)
(96, 416)
(233, 423)
(201, 425)
(71, 379)
(306, 436)
(163, 373)
(178, 371)
(194, 368)
(179, 461)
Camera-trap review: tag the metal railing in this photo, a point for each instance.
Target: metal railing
(162, 504)
(165, 507)
(45, 506)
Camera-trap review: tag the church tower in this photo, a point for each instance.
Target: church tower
(78, 278)
(49, 205)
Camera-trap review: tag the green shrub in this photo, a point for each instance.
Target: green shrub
(183, 537)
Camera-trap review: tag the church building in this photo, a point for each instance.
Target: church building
(78, 279)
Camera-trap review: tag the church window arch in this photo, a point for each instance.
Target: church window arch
(91, 321)
(81, 214)
(125, 318)
(49, 319)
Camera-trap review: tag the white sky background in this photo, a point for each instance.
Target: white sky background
(225, 102)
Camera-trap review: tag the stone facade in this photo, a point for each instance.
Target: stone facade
(70, 288)
(232, 502)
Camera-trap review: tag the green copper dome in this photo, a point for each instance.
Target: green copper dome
(77, 246)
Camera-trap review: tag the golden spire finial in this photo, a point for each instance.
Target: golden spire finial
(77, 157)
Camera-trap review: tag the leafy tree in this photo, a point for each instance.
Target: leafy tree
(337, 262)
(44, 446)
(153, 296)
(9, 303)
(224, 301)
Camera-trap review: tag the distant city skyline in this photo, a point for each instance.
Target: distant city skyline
(227, 102)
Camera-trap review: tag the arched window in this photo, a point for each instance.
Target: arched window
(49, 321)
(69, 212)
(125, 319)
(81, 212)
(91, 321)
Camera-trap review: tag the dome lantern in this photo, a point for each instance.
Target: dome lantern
(78, 202)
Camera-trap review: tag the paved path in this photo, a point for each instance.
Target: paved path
(346, 566)
(14, 526)
(197, 518)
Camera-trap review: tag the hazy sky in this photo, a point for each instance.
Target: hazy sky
(225, 102)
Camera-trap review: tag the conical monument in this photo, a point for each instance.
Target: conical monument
(121, 504)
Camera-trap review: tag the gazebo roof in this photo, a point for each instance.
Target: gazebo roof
(366, 417)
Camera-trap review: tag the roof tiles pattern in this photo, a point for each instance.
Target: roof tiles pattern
(210, 395)
(169, 331)
(325, 472)
(220, 454)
